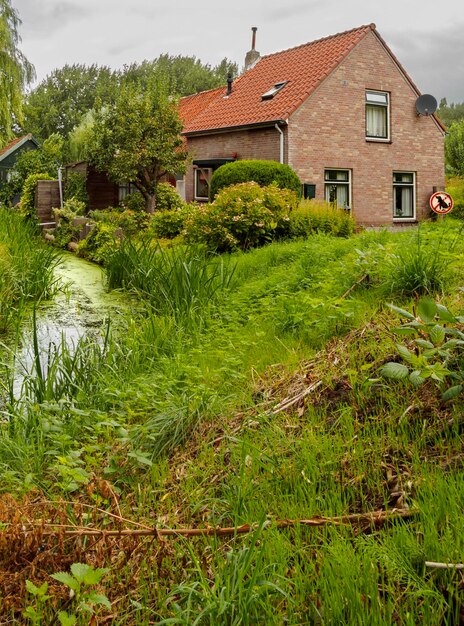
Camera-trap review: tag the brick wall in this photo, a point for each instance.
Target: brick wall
(328, 131)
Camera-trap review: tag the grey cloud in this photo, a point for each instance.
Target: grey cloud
(297, 9)
(434, 59)
(41, 19)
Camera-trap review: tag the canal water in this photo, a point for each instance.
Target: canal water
(80, 309)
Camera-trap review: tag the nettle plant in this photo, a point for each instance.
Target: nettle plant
(84, 598)
(436, 351)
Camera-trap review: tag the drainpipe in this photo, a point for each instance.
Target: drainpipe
(282, 136)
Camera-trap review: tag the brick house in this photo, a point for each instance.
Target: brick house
(341, 111)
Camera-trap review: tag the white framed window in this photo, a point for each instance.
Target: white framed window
(377, 115)
(404, 195)
(337, 187)
(202, 181)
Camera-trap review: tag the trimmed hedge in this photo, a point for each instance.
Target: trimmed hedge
(262, 172)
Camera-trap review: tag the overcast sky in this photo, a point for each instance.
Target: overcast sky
(426, 36)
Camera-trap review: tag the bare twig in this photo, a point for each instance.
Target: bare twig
(434, 565)
(347, 293)
(369, 519)
(288, 402)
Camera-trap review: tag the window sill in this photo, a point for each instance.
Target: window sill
(201, 199)
(404, 219)
(374, 140)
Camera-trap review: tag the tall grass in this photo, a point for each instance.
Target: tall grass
(422, 265)
(26, 266)
(182, 282)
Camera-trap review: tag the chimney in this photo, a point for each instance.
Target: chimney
(229, 84)
(253, 56)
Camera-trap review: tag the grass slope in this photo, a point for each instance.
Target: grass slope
(203, 419)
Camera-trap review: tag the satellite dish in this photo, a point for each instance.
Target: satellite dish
(426, 104)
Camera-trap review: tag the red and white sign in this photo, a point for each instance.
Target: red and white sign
(441, 202)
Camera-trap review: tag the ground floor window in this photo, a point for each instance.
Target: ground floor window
(403, 195)
(202, 181)
(125, 189)
(337, 188)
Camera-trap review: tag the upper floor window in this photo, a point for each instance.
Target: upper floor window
(377, 115)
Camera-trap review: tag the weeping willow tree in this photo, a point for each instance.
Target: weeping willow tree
(15, 71)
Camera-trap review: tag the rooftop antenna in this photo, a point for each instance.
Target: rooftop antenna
(426, 105)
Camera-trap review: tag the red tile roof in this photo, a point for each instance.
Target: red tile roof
(304, 67)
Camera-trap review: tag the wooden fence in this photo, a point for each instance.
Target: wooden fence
(47, 197)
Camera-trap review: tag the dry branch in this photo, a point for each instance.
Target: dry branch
(364, 519)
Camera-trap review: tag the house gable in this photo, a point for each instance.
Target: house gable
(328, 131)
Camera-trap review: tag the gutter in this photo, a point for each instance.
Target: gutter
(281, 142)
(229, 129)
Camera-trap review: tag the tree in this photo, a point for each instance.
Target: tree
(454, 148)
(183, 75)
(449, 113)
(137, 139)
(58, 103)
(15, 71)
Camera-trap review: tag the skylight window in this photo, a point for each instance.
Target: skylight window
(273, 90)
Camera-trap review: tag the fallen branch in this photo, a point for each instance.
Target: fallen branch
(367, 519)
(288, 402)
(358, 282)
(434, 565)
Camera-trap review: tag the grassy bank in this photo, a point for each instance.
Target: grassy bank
(26, 267)
(257, 399)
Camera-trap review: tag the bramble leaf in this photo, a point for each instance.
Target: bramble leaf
(396, 371)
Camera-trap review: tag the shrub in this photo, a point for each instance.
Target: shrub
(167, 198)
(312, 216)
(134, 202)
(131, 222)
(455, 187)
(242, 216)
(100, 244)
(65, 230)
(27, 204)
(76, 187)
(263, 173)
(170, 224)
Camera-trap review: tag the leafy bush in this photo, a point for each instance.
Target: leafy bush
(438, 351)
(312, 216)
(170, 224)
(65, 231)
(134, 202)
(100, 244)
(167, 198)
(242, 216)
(263, 173)
(455, 187)
(27, 204)
(131, 222)
(76, 187)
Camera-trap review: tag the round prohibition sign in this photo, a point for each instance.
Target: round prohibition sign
(441, 202)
